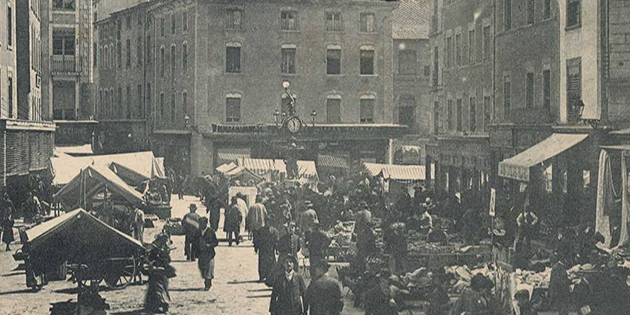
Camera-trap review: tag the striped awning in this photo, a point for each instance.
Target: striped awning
(332, 161)
(306, 169)
(400, 173)
(229, 156)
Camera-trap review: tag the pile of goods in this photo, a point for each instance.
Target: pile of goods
(341, 234)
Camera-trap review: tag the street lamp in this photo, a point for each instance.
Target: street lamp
(286, 85)
(187, 121)
(276, 114)
(314, 116)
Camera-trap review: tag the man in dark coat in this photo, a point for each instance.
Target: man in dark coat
(190, 223)
(287, 297)
(323, 296)
(207, 242)
(232, 222)
(288, 246)
(7, 221)
(317, 242)
(214, 212)
(265, 246)
(559, 284)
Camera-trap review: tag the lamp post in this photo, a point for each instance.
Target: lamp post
(314, 116)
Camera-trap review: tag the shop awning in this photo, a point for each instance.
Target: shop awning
(400, 173)
(224, 168)
(228, 156)
(517, 167)
(306, 169)
(332, 161)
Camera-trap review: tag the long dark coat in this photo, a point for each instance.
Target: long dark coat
(286, 297)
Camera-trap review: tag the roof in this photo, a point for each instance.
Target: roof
(94, 178)
(401, 173)
(84, 237)
(517, 167)
(142, 164)
(411, 20)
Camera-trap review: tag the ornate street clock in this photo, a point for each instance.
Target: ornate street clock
(294, 124)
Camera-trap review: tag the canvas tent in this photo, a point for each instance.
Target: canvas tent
(613, 187)
(76, 237)
(132, 167)
(405, 174)
(93, 180)
(306, 169)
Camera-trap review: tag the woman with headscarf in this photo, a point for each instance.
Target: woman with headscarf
(159, 270)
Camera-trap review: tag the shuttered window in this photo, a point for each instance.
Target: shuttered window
(449, 114)
(436, 118)
(547, 89)
(574, 82)
(459, 115)
(574, 13)
(507, 12)
(333, 110)
(531, 11)
(507, 95)
(458, 49)
(366, 110)
(233, 108)
(529, 93)
(473, 114)
(449, 51)
(487, 43)
(487, 107)
(471, 46)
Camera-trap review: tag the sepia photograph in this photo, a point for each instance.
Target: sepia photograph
(315, 157)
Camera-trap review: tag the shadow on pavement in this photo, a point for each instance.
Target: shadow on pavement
(242, 282)
(134, 312)
(185, 289)
(261, 290)
(17, 292)
(12, 274)
(259, 296)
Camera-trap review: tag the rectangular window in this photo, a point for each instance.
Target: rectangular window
(333, 110)
(574, 13)
(233, 19)
(173, 108)
(547, 89)
(162, 26)
(63, 42)
(449, 114)
(139, 108)
(173, 59)
(128, 99)
(232, 109)
(368, 23)
(10, 95)
(487, 43)
(148, 106)
(458, 49)
(406, 116)
(233, 59)
(487, 108)
(128, 62)
(120, 103)
(162, 110)
(471, 47)
(288, 21)
(149, 50)
(288, 61)
(162, 61)
(367, 61)
(436, 66)
(407, 62)
(367, 110)
(334, 22)
(436, 118)
(119, 54)
(9, 26)
(185, 103)
(529, 93)
(460, 115)
(63, 4)
(449, 51)
(574, 82)
(507, 15)
(333, 61)
(507, 95)
(185, 20)
(185, 57)
(473, 114)
(546, 9)
(139, 51)
(173, 23)
(531, 11)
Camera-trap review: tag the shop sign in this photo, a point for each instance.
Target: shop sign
(514, 172)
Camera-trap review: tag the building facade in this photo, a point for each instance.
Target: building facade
(215, 72)
(462, 63)
(26, 141)
(67, 57)
(412, 69)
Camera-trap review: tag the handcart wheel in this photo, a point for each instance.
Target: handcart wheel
(125, 277)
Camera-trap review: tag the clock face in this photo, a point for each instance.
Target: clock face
(294, 124)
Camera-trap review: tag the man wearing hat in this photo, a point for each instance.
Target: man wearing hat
(190, 223)
(287, 297)
(323, 296)
(317, 242)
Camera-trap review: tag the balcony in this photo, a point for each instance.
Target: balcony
(65, 65)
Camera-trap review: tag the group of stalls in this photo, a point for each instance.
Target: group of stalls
(248, 171)
(553, 178)
(104, 183)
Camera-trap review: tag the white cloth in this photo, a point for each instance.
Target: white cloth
(242, 208)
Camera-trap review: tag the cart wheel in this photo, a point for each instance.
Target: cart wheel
(126, 277)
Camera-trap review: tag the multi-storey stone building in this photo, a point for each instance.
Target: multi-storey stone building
(462, 53)
(213, 74)
(26, 142)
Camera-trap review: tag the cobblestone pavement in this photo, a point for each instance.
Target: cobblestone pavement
(234, 291)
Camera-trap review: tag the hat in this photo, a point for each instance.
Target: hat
(521, 294)
(320, 263)
(193, 206)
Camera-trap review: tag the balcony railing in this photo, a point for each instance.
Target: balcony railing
(69, 65)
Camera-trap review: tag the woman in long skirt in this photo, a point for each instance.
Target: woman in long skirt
(160, 270)
(207, 242)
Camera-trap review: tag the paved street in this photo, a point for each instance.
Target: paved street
(234, 292)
